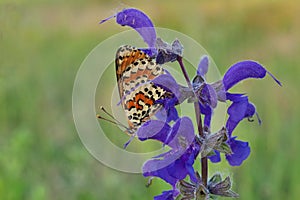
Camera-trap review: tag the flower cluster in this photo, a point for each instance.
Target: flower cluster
(185, 144)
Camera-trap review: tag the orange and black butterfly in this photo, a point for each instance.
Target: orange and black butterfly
(135, 69)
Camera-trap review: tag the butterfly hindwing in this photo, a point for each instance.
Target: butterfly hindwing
(135, 70)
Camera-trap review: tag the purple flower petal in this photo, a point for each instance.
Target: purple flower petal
(251, 110)
(235, 97)
(167, 195)
(139, 21)
(178, 162)
(182, 134)
(163, 168)
(215, 158)
(158, 168)
(237, 111)
(241, 151)
(207, 111)
(174, 166)
(179, 137)
(169, 112)
(172, 114)
(203, 66)
(243, 70)
(240, 108)
(208, 96)
(167, 82)
(154, 129)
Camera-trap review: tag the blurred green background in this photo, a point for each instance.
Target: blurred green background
(43, 43)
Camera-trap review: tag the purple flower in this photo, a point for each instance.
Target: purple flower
(168, 52)
(244, 70)
(203, 66)
(183, 146)
(241, 151)
(179, 137)
(207, 111)
(240, 108)
(167, 195)
(173, 166)
(155, 130)
(169, 112)
(206, 94)
(140, 22)
(215, 158)
(177, 163)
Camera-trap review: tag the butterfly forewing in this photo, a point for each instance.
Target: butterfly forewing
(125, 56)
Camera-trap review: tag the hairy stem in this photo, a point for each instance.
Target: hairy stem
(204, 167)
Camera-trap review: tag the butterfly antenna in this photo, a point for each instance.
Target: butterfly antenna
(111, 116)
(113, 121)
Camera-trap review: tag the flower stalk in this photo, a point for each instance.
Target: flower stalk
(204, 166)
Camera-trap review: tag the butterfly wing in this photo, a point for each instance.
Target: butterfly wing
(125, 56)
(135, 70)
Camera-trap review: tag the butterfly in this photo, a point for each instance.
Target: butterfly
(134, 70)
